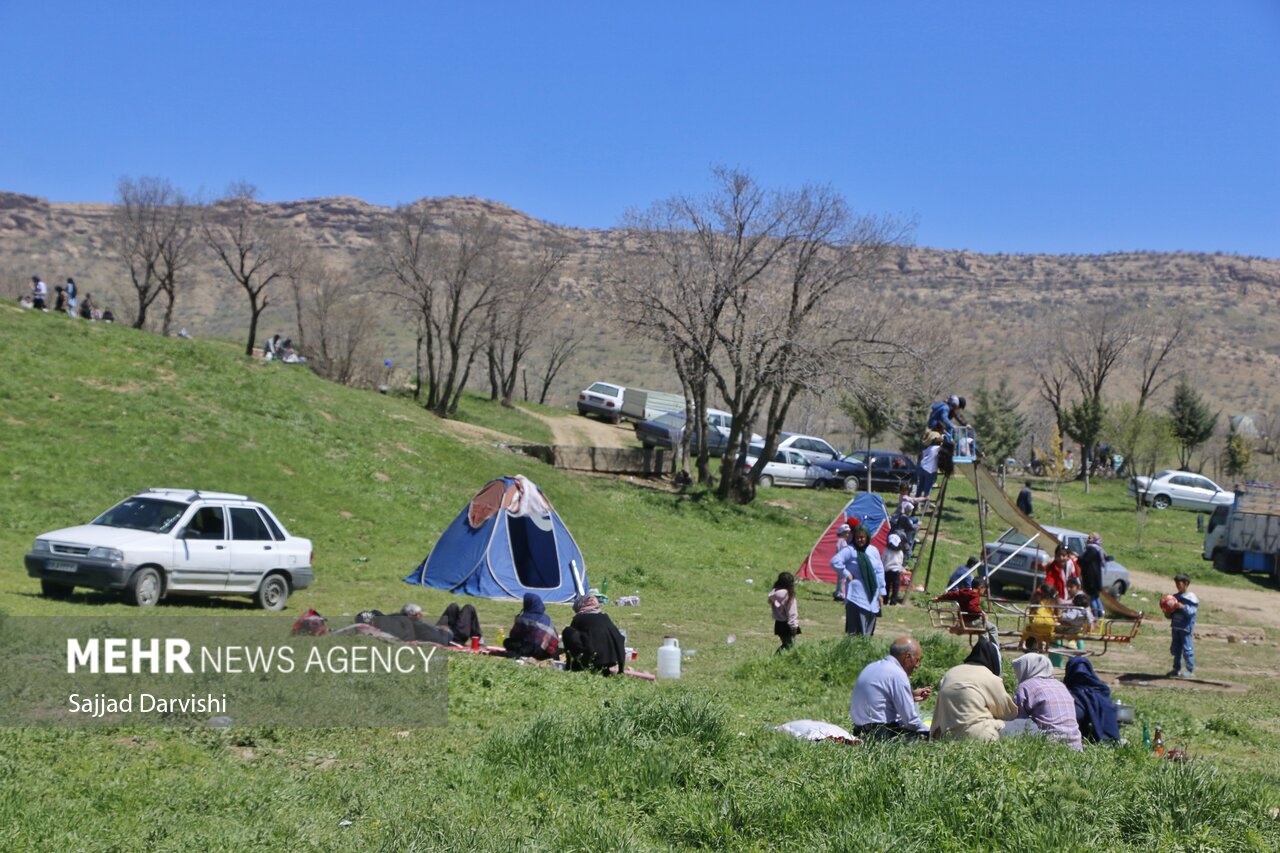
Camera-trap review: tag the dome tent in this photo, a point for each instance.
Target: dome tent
(507, 541)
(868, 508)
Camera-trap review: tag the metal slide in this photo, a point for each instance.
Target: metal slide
(988, 489)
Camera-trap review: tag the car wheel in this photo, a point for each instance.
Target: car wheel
(1117, 589)
(144, 588)
(766, 482)
(53, 589)
(850, 484)
(1161, 502)
(821, 484)
(273, 594)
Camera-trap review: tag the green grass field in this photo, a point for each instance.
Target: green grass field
(546, 760)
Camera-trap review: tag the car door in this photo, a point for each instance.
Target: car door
(201, 553)
(1204, 491)
(1181, 491)
(253, 551)
(882, 478)
(791, 466)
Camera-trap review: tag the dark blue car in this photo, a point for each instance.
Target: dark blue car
(665, 431)
(889, 471)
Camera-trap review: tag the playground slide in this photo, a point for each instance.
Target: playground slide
(988, 488)
(1113, 605)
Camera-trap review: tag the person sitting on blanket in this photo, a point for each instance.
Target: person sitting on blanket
(970, 600)
(972, 702)
(423, 631)
(462, 622)
(592, 641)
(1042, 618)
(533, 635)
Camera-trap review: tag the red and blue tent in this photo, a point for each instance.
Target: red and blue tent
(868, 508)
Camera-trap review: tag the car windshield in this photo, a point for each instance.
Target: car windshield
(1012, 537)
(755, 450)
(670, 419)
(149, 514)
(601, 388)
(856, 456)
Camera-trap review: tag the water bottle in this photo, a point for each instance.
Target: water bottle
(669, 658)
(501, 636)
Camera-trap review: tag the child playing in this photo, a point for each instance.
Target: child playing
(1076, 617)
(1183, 619)
(893, 564)
(1042, 618)
(970, 600)
(786, 617)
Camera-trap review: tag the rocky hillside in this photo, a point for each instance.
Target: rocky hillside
(1002, 306)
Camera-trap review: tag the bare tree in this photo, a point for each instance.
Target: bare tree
(519, 315)
(738, 286)
(564, 343)
(449, 275)
(343, 318)
(257, 254)
(154, 227)
(1155, 346)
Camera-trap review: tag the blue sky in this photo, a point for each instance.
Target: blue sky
(998, 126)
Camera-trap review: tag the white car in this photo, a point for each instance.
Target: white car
(602, 398)
(1180, 489)
(810, 446)
(788, 468)
(176, 542)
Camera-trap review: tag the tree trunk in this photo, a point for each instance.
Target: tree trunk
(255, 313)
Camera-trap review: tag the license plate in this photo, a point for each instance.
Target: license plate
(61, 566)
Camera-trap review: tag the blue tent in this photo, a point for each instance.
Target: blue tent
(507, 541)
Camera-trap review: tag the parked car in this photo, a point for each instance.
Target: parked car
(1023, 569)
(788, 468)
(889, 471)
(1180, 489)
(665, 431)
(602, 398)
(165, 542)
(810, 446)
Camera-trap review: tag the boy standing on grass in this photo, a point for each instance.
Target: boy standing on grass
(1183, 620)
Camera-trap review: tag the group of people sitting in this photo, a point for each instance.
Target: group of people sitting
(972, 701)
(589, 642)
(275, 349)
(65, 301)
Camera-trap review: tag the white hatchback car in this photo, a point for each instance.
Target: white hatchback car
(176, 542)
(810, 446)
(1180, 489)
(602, 398)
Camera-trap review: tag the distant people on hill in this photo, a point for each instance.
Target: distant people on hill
(271, 347)
(72, 292)
(1024, 499)
(87, 307)
(39, 294)
(60, 300)
(108, 317)
(24, 301)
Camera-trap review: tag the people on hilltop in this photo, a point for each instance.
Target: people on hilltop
(862, 573)
(87, 307)
(883, 704)
(39, 294)
(1092, 563)
(59, 300)
(72, 292)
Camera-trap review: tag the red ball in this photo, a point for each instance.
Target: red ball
(1168, 604)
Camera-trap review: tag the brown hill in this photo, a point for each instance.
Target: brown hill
(1003, 306)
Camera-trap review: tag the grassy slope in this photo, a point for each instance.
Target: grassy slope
(91, 413)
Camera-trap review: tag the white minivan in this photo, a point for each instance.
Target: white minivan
(176, 542)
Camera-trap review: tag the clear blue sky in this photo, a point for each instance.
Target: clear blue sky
(1000, 126)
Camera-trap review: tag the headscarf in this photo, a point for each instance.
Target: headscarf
(535, 611)
(1094, 709)
(985, 653)
(533, 626)
(867, 571)
(1032, 666)
(587, 604)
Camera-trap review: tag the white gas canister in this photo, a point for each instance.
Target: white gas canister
(669, 658)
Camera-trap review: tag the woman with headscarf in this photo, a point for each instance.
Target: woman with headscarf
(1045, 701)
(1095, 713)
(592, 641)
(972, 702)
(863, 579)
(533, 635)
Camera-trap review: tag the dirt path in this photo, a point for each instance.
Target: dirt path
(1226, 605)
(578, 431)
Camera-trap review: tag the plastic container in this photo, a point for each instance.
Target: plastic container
(669, 658)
